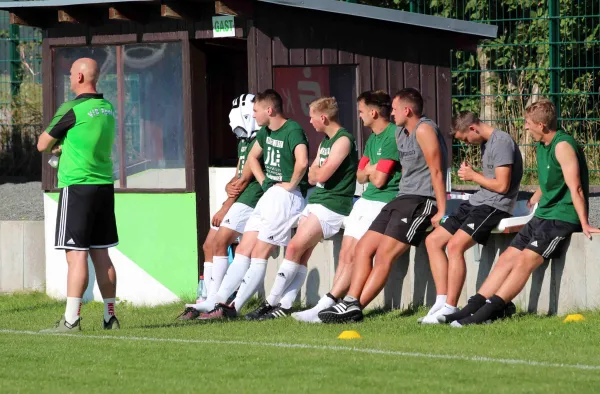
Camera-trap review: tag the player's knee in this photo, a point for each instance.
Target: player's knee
(293, 250)
(207, 247)
(219, 246)
(455, 248)
(346, 257)
(382, 260)
(506, 262)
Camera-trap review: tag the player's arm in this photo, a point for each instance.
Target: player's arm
(361, 175)
(427, 140)
(253, 163)
(313, 168)
(339, 151)
(300, 167)
(498, 185)
(567, 158)
(63, 120)
(380, 173)
(231, 187)
(535, 198)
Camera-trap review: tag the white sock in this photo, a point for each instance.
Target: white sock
(293, 288)
(219, 269)
(285, 276)
(109, 308)
(439, 304)
(208, 267)
(253, 279)
(312, 315)
(232, 279)
(72, 310)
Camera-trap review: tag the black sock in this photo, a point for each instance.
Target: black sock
(332, 297)
(475, 302)
(493, 306)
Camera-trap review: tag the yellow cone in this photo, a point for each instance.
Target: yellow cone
(349, 335)
(575, 317)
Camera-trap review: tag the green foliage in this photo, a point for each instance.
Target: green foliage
(508, 73)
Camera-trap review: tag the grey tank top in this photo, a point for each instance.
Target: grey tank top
(416, 178)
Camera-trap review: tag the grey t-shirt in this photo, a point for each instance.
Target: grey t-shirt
(500, 150)
(416, 178)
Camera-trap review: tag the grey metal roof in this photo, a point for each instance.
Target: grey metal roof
(337, 7)
(386, 14)
(7, 5)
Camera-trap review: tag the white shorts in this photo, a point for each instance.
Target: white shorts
(362, 215)
(275, 214)
(236, 218)
(331, 222)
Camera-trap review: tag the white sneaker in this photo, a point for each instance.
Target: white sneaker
(434, 309)
(433, 319)
(307, 316)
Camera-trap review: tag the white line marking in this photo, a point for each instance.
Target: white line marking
(317, 347)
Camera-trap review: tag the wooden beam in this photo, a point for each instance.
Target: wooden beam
(115, 14)
(234, 7)
(65, 17)
(167, 11)
(186, 11)
(27, 18)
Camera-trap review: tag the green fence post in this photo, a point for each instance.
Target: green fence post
(15, 64)
(414, 7)
(554, 32)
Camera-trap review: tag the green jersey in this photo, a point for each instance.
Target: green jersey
(383, 146)
(253, 191)
(85, 127)
(278, 151)
(556, 202)
(337, 192)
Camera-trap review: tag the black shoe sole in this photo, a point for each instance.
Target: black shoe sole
(329, 317)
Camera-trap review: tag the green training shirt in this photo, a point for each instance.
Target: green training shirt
(85, 127)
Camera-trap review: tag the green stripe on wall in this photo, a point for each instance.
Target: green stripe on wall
(158, 233)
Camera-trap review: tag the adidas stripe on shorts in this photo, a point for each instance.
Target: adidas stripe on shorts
(476, 220)
(544, 237)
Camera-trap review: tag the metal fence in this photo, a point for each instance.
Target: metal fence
(544, 49)
(20, 100)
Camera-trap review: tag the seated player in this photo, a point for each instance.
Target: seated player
(404, 221)
(379, 169)
(473, 220)
(333, 172)
(562, 210)
(229, 222)
(282, 144)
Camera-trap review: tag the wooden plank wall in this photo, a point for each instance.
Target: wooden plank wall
(388, 56)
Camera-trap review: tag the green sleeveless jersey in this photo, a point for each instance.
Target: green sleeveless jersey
(383, 146)
(278, 151)
(337, 192)
(253, 191)
(556, 202)
(85, 127)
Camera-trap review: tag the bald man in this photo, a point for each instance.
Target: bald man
(82, 133)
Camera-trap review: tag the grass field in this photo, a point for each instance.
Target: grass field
(155, 353)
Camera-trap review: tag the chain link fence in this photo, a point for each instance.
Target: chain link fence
(20, 100)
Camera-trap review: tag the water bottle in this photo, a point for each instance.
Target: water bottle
(443, 219)
(230, 254)
(201, 291)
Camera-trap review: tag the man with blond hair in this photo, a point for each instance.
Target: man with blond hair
(333, 173)
(562, 199)
(379, 170)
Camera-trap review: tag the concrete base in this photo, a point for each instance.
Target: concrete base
(563, 285)
(22, 256)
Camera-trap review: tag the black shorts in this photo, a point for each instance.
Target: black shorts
(543, 236)
(476, 220)
(406, 219)
(86, 218)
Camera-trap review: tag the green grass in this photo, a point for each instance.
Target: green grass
(42, 363)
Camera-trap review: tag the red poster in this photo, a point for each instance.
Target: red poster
(299, 86)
